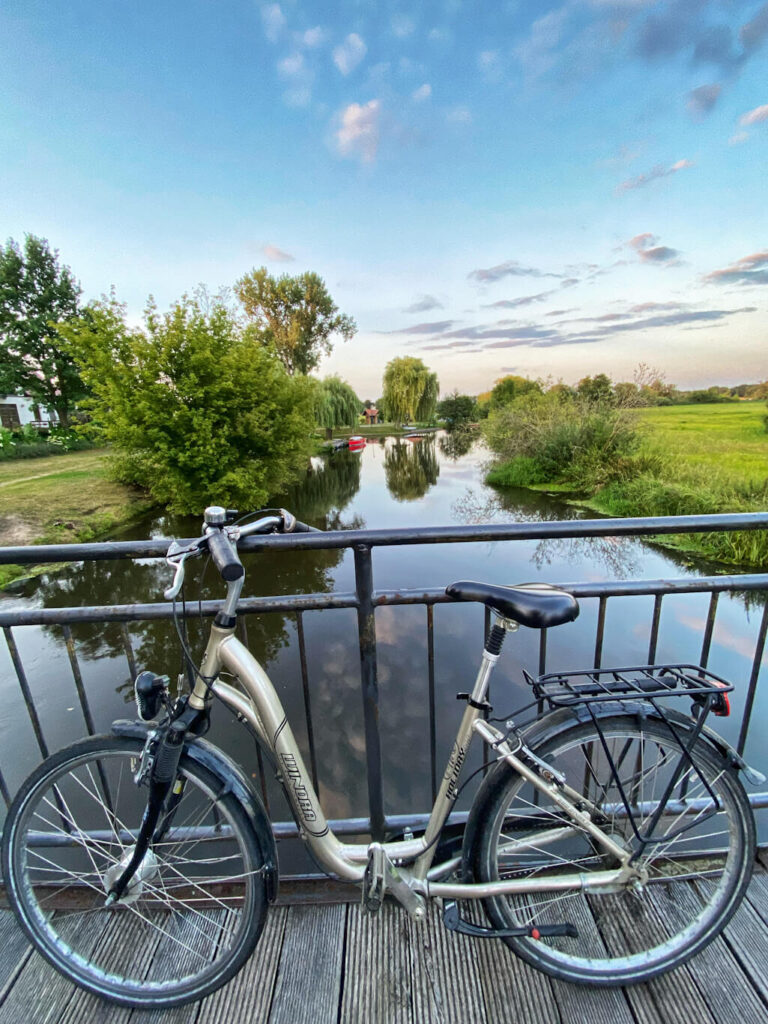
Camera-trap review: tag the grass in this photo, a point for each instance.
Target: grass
(728, 442)
(61, 499)
(713, 458)
(692, 460)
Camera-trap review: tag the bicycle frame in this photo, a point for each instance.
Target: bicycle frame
(261, 708)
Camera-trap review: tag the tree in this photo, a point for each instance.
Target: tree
(457, 410)
(336, 404)
(37, 293)
(507, 389)
(597, 390)
(198, 411)
(295, 316)
(410, 390)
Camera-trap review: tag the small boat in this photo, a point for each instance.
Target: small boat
(356, 443)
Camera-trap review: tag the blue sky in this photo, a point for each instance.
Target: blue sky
(548, 189)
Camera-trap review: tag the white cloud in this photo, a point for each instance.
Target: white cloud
(422, 93)
(348, 55)
(301, 96)
(489, 64)
(312, 37)
(755, 116)
(273, 20)
(737, 138)
(402, 25)
(275, 255)
(290, 66)
(459, 115)
(358, 132)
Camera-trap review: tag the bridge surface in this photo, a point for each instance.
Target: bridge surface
(329, 964)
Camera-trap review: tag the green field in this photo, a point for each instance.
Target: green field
(703, 459)
(61, 499)
(727, 443)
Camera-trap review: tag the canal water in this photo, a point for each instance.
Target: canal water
(391, 483)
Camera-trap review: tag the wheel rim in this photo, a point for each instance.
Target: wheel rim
(196, 891)
(693, 873)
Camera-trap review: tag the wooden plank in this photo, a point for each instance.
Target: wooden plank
(585, 1002)
(671, 998)
(248, 996)
(14, 951)
(747, 937)
(717, 974)
(377, 968)
(309, 973)
(40, 994)
(757, 894)
(446, 988)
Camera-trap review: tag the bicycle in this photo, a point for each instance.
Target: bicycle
(611, 838)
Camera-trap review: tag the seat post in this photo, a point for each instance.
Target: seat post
(491, 652)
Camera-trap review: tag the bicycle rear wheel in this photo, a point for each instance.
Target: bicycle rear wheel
(698, 869)
(193, 911)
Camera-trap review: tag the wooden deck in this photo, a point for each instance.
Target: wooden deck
(328, 963)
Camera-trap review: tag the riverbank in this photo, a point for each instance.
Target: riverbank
(61, 500)
(702, 459)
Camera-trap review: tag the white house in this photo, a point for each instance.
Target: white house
(15, 412)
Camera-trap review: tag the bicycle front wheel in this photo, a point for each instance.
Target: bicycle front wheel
(698, 864)
(194, 909)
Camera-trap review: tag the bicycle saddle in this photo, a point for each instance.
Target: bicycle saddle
(538, 605)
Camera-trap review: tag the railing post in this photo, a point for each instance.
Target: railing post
(366, 626)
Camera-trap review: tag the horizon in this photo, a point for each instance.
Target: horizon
(555, 193)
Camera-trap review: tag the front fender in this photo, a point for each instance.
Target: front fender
(234, 780)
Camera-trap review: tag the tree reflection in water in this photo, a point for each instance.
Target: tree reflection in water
(320, 498)
(411, 468)
(458, 443)
(619, 555)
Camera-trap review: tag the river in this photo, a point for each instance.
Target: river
(391, 483)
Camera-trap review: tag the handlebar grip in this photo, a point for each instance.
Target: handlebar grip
(303, 528)
(225, 557)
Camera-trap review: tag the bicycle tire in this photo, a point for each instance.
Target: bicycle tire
(191, 921)
(624, 936)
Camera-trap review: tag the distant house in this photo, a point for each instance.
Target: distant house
(16, 412)
(371, 415)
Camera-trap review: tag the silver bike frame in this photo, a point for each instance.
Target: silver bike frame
(258, 704)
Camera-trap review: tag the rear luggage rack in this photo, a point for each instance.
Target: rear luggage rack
(643, 682)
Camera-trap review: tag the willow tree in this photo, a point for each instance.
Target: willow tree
(336, 404)
(410, 390)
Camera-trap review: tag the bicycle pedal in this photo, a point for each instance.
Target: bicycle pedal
(454, 922)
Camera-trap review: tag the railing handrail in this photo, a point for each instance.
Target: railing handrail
(605, 527)
(348, 599)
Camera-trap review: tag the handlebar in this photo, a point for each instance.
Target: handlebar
(220, 540)
(225, 556)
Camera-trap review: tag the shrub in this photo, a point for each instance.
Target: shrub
(197, 410)
(580, 442)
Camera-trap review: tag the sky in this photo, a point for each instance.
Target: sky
(548, 189)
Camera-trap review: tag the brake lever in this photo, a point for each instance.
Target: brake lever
(176, 557)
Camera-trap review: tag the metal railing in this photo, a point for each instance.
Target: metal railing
(365, 599)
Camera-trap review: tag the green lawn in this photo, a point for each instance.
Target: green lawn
(61, 499)
(728, 443)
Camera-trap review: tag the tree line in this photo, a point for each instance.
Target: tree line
(213, 399)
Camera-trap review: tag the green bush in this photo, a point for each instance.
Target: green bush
(196, 409)
(582, 443)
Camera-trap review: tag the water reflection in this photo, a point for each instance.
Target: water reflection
(620, 556)
(322, 496)
(457, 444)
(411, 468)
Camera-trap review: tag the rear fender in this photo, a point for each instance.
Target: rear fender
(235, 781)
(551, 725)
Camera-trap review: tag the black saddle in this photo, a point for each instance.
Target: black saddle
(538, 605)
